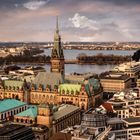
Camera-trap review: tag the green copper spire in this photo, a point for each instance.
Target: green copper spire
(57, 26)
(57, 51)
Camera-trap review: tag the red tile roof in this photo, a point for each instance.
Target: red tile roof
(108, 107)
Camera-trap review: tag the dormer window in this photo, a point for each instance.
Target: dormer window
(63, 91)
(14, 88)
(67, 91)
(10, 87)
(72, 92)
(17, 88)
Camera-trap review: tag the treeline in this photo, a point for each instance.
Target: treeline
(136, 55)
(32, 51)
(101, 59)
(25, 59)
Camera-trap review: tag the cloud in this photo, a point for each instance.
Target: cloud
(105, 30)
(34, 5)
(79, 21)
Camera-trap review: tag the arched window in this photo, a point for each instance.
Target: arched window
(36, 96)
(26, 121)
(21, 120)
(2, 116)
(47, 97)
(16, 97)
(32, 96)
(31, 121)
(83, 106)
(51, 97)
(17, 120)
(13, 96)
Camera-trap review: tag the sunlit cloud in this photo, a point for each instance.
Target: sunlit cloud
(34, 5)
(83, 22)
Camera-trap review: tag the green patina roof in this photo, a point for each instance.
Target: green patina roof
(13, 83)
(31, 112)
(69, 87)
(95, 83)
(8, 104)
(92, 83)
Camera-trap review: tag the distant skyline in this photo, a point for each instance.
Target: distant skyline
(79, 20)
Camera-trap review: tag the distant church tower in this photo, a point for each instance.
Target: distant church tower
(57, 56)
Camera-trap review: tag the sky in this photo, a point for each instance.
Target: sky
(79, 20)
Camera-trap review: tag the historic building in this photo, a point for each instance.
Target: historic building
(53, 87)
(11, 107)
(56, 118)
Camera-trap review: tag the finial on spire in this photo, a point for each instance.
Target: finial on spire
(57, 28)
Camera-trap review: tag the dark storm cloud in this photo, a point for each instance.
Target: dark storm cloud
(122, 2)
(10, 3)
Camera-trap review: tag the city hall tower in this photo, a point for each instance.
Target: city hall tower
(57, 56)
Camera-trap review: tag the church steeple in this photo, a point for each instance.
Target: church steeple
(57, 57)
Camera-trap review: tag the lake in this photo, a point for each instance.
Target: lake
(72, 54)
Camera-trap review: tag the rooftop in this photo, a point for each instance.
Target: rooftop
(67, 109)
(134, 120)
(46, 78)
(70, 88)
(115, 76)
(31, 112)
(8, 104)
(61, 136)
(13, 83)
